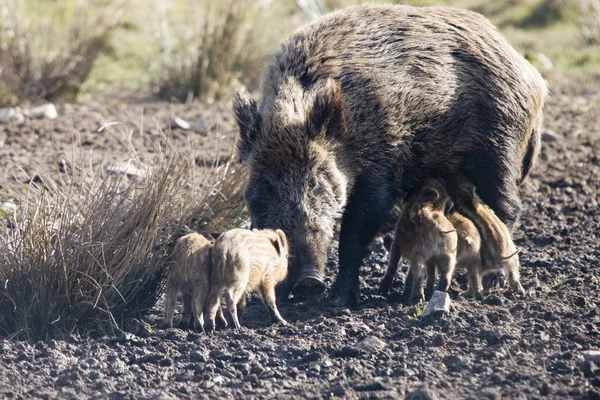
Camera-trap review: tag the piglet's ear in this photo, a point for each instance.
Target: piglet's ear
(249, 122)
(327, 114)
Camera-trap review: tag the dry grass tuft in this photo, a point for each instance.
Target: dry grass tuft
(48, 60)
(590, 19)
(89, 260)
(204, 66)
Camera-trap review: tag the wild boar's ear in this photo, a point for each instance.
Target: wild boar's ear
(327, 114)
(249, 122)
(429, 194)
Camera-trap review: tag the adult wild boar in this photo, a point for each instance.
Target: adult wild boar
(360, 106)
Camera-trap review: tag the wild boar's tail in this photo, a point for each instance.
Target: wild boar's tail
(531, 152)
(512, 255)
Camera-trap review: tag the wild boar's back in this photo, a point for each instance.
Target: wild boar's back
(441, 76)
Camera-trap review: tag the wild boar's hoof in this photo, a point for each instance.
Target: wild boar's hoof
(343, 297)
(309, 286)
(494, 280)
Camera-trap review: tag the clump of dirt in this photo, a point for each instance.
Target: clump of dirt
(505, 346)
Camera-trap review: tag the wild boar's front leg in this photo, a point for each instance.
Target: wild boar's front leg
(363, 218)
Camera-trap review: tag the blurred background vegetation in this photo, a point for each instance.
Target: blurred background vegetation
(184, 49)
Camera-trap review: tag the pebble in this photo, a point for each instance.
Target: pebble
(11, 114)
(8, 207)
(592, 355)
(440, 302)
(47, 111)
(129, 168)
(371, 344)
(199, 126)
(550, 136)
(180, 123)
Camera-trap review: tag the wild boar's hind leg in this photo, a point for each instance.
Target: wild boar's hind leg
(447, 264)
(365, 214)
(214, 303)
(475, 285)
(268, 293)
(197, 310)
(187, 316)
(392, 269)
(430, 282)
(170, 300)
(241, 306)
(232, 297)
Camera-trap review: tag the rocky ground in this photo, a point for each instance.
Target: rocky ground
(502, 347)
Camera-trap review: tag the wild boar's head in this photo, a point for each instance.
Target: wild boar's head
(290, 146)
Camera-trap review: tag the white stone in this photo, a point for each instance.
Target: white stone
(440, 301)
(8, 207)
(592, 355)
(11, 114)
(44, 111)
(199, 126)
(129, 168)
(180, 123)
(371, 344)
(550, 136)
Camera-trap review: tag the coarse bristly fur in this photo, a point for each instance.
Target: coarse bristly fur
(498, 250)
(426, 239)
(243, 260)
(190, 276)
(360, 106)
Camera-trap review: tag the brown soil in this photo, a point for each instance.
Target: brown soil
(502, 347)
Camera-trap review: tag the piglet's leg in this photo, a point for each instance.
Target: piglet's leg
(171, 298)
(214, 303)
(446, 264)
(430, 282)
(232, 307)
(267, 291)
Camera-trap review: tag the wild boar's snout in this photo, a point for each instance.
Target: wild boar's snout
(309, 253)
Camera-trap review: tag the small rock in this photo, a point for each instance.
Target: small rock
(8, 207)
(11, 114)
(199, 126)
(180, 123)
(371, 344)
(592, 356)
(130, 169)
(44, 111)
(440, 302)
(544, 61)
(422, 393)
(338, 390)
(550, 136)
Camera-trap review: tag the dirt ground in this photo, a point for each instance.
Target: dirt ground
(502, 347)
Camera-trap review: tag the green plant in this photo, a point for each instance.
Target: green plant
(556, 282)
(416, 311)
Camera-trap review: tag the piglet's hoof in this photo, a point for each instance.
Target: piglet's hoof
(309, 287)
